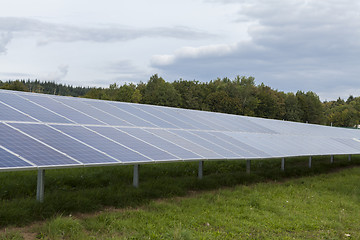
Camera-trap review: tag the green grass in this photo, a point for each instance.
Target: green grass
(265, 204)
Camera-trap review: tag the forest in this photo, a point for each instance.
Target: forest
(238, 96)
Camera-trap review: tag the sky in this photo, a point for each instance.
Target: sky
(289, 45)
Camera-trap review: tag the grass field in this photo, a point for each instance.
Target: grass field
(171, 203)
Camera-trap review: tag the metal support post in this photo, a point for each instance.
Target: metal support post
(332, 159)
(136, 176)
(310, 160)
(40, 185)
(349, 157)
(248, 166)
(200, 171)
(283, 164)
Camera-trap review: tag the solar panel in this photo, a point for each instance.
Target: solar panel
(136, 144)
(72, 115)
(9, 160)
(33, 110)
(74, 148)
(206, 143)
(189, 144)
(162, 143)
(177, 113)
(162, 115)
(34, 151)
(117, 112)
(10, 114)
(38, 130)
(106, 145)
(144, 115)
(95, 113)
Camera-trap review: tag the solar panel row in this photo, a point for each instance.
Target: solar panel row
(51, 131)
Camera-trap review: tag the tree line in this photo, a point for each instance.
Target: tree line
(238, 96)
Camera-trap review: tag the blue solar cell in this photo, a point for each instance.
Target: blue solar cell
(64, 143)
(134, 143)
(246, 150)
(63, 110)
(9, 114)
(230, 123)
(30, 149)
(8, 160)
(82, 106)
(161, 143)
(182, 115)
(260, 127)
(192, 146)
(131, 108)
(31, 109)
(117, 112)
(349, 142)
(161, 113)
(256, 143)
(191, 136)
(212, 137)
(103, 144)
(207, 119)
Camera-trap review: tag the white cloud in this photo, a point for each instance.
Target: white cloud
(56, 76)
(5, 38)
(50, 32)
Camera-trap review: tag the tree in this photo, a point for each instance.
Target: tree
(15, 85)
(311, 107)
(220, 102)
(192, 94)
(95, 93)
(270, 103)
(293, 111)
(159, 92)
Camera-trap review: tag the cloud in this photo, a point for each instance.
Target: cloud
(5, 38)
(5, 76)
(124, 71)
(50, 32)
(294, 44)
(57, 75)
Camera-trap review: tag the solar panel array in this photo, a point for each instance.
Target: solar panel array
(46, 131)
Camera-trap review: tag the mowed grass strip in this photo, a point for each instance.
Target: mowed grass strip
(265, 205)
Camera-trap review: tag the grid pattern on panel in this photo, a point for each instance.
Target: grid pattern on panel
(256, 142)
(240, 153)
(204, 118)
(116, 111)
(144, 115)
(31, 109)
(9, 114)
(63, 110)
(355, 144)
(134, 143)
(8, 160)
(31, 149)
(187, 144)
(159, 142)
(112, 148)
(156, 110)
(92, 111)
(65, 144)
(205, 143)
(177, 113)
(249, 124)
(247, 149)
